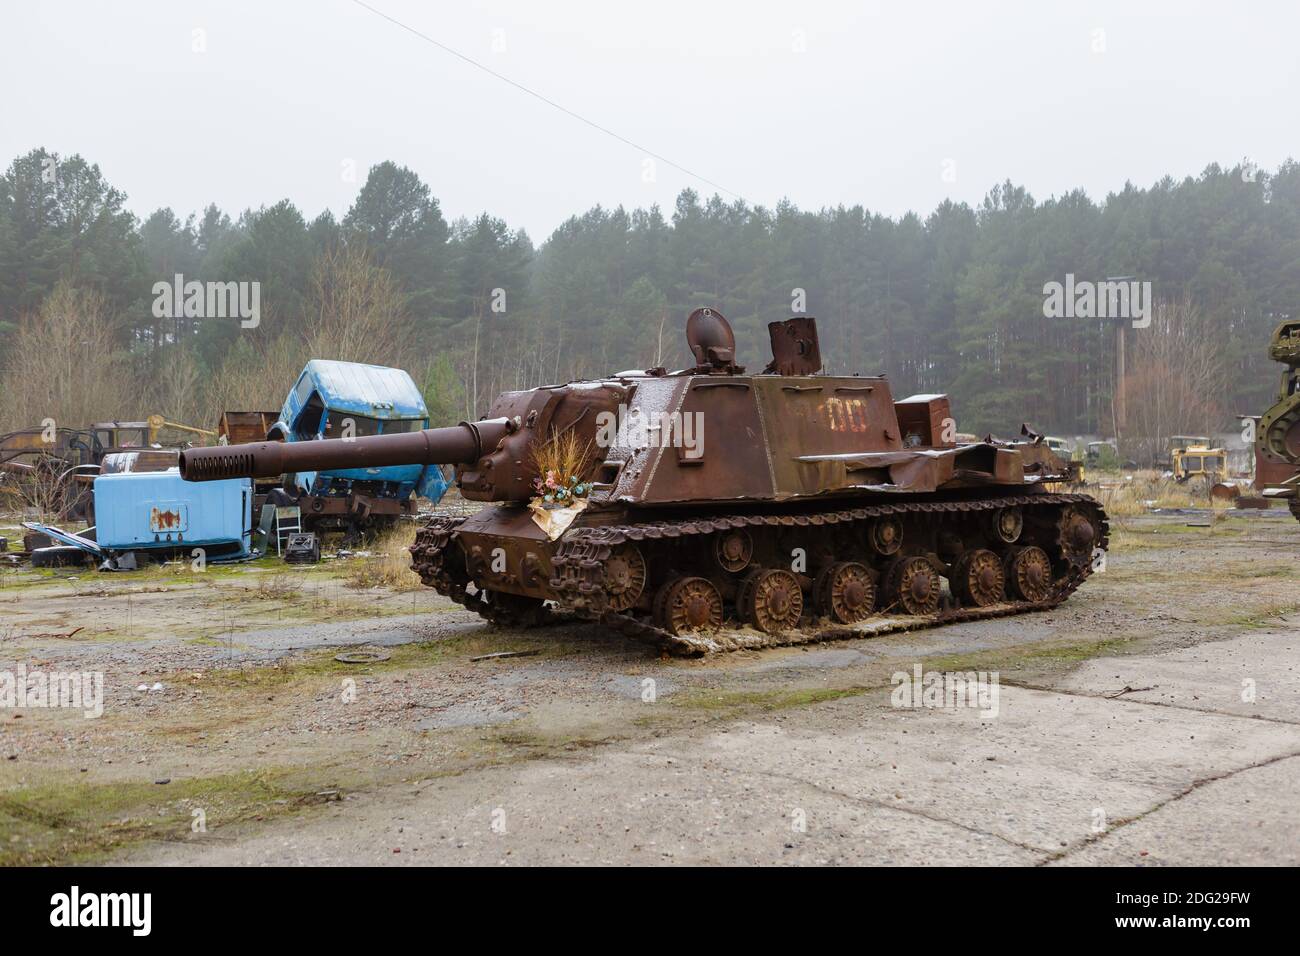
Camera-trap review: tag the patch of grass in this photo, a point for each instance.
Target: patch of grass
(731, 701)
(1138, 536)
(277, 587)
(1270, 571)
(60, 823)
(1138, 492)
(1012, 658)
(206, 642)
(1265, 617)
(318, 664)
(1143, 536)
(537, 744)
(390, 564)
(1243, 573)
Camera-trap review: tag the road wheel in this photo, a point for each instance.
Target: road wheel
(688, 604)
(1029, 574)
(978, 578)
(913, 586)
(845, 592)
(773, 601)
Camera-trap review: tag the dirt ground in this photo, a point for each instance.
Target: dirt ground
(1153, 719)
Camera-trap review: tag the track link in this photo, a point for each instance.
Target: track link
(429, 559)
(579, 582)
(580, 560)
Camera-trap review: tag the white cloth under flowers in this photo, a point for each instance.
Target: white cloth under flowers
(555, 521)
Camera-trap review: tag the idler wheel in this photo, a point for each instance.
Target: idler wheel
(688, 604)
(625, 577)
(885, 535)
(845, 592)
(978, 578)
(771, 600)
(914, 586)
(734, 549)
(1029, 574)
(1007, 524)
(1075, 535)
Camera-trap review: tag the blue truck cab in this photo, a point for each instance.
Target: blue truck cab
(351, 400)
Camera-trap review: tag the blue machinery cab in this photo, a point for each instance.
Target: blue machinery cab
(351, 400)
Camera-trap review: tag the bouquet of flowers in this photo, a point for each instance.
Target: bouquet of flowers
(562, 461)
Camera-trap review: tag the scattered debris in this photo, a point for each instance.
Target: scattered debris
(499, 655)
(302, 548)
(1259, 502)
(51, 635)
(362, 657)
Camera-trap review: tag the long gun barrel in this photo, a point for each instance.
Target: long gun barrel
(465, 444)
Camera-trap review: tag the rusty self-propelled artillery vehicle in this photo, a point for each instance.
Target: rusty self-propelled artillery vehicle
(709, 509)
(1277, 439)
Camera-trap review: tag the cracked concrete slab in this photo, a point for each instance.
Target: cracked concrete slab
(1251, 675)
(870, 784)
(1034, 776)
(1248, 818)
(649, 805)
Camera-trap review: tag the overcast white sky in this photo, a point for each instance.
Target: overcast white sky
(881, 96)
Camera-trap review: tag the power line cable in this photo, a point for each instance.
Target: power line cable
(548, 101)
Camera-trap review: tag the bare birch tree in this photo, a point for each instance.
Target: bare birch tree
(1176, 380)
(65, 363)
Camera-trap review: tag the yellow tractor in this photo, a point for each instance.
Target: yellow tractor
(1200, 462)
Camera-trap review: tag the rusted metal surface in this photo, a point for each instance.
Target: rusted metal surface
(50, 468)
(1225, 491)
(269, 459)
(167, 518)
(29, 445)
(238, 428)
(711, 341)
(724, 500)
(1277, 437)
(131, 462)
(795, 350)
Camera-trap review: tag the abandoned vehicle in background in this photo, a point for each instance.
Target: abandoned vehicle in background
(52, 469)
(1166, 456)
(1200, 464)
(348, 401)
(1277, 437)
(710, 509)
